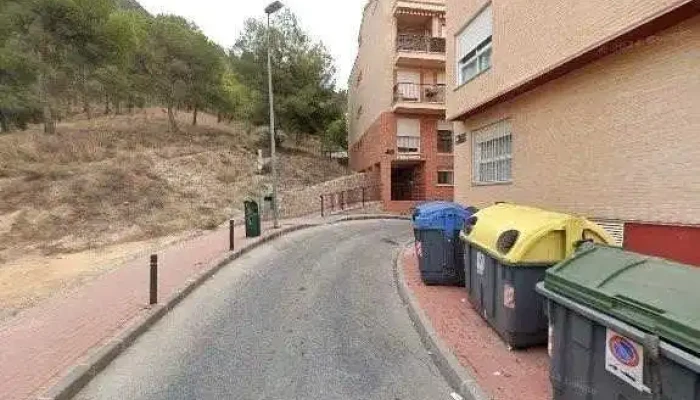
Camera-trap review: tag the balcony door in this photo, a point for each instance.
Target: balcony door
(408, 83)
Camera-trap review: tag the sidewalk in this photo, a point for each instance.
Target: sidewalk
(503, 374)
(40, 344)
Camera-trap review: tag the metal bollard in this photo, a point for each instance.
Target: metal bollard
(231, 235)
(154, 279)
(342, 200)
(363, 197)
(322, 211)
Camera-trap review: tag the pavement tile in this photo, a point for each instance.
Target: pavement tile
(504, 374)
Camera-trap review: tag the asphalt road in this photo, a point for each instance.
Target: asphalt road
(313, 315)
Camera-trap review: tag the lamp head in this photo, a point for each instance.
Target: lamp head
(273, 7)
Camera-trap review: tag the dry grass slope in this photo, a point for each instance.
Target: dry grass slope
(126, 178)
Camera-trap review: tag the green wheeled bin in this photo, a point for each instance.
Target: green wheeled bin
(623, 326)
(507, 249)
(252, 219)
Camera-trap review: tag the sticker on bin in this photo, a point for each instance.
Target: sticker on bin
(480, 263)
(508, 296)
(419, 249)
(624, 358)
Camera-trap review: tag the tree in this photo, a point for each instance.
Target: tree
(302, 74)
(234, 100)
(66, 39)
(206, 67)
(182, 63)
(120, 77)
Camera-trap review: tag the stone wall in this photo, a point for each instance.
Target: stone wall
(308, 200)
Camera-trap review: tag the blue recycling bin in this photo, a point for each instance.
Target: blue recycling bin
(436, 226)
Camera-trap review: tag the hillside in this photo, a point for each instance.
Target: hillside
(122, 179)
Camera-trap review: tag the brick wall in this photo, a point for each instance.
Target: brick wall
(307, 200)
(617, 139)
(530, 36)
(371, 148)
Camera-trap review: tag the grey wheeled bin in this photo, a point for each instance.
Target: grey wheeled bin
(436, 229)
(507, 249)
(623, 326)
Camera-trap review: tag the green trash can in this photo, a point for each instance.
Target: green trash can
(507, 251)
(623, 326)
(252, 219)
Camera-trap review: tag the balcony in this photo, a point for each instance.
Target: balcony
(419, 98)
(420, 51)
(425, 44)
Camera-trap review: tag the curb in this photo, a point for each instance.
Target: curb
(461, 379)
(361, 217)
(98, 358)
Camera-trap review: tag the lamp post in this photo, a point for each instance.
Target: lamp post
(269, 10)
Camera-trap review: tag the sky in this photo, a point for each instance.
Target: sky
(334, 22)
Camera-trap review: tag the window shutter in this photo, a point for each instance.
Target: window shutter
(404, 76)
(476, 32)
(408, 127)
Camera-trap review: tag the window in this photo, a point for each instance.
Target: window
(446, 178)
(474, 47)
(444, 142)
(408, 135)
(359, 112)
(492, 152)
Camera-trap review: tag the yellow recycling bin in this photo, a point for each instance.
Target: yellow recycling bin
(508, 248)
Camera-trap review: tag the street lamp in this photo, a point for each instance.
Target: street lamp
(269, 10)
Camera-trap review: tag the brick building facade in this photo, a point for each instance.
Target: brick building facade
(396, 103)
(590, 108)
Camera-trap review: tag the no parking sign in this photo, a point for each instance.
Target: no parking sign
(624, 358)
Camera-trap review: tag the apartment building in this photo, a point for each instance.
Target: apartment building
(396, 103)
(587, 107)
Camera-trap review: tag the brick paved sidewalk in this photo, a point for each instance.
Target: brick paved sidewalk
(503, 374)
(40, 344)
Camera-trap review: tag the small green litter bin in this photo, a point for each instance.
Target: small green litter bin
(252, 219)
(623, 326)
(508, 248)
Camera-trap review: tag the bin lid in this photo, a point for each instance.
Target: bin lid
(440, 215)
(656, 295)
(521, 235)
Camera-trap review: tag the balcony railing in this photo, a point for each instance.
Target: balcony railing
(419, 43)
(419, 93)
(408, 145)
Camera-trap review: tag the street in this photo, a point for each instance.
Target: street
(313, 315)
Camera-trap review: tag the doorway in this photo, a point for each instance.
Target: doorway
(405, 182)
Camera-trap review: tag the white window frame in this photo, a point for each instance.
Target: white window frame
(408, 136)
(480, 57)
(492, 154)
(452, 175)
(473, 46)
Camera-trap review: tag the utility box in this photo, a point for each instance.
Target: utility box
(623, 326)
(252, 219)
(436, 227)
(507, 249)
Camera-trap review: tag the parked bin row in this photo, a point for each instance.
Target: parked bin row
(619, 325)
